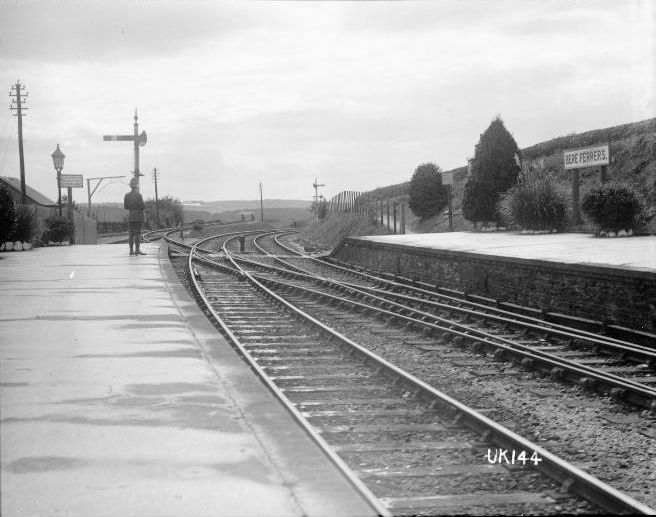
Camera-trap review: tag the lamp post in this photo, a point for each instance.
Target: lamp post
(58, 162)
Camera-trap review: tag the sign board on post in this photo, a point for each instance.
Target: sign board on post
(447, 178)
(71, 180)
(586, 157)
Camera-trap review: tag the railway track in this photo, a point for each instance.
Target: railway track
(418, 450)
(623, 370)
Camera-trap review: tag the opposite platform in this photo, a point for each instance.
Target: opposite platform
(630, 253)
(119, 398)
(606, 281)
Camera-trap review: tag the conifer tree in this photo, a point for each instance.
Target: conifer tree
(426, 192)
(494, 170)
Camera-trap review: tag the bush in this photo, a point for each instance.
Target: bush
(56, 229)
(479, 201)
(613, 207)
(494, 170)
(535, 203)
(7, 215)
(427, 196)
(26, 224)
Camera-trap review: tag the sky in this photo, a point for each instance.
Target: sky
(353, 94)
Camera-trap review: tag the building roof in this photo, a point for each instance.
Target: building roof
(33, 195)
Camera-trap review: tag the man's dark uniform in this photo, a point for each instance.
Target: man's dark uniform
(135, 204)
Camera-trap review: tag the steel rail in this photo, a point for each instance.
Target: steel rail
(517, 316)
(571, 478)
(501, 315)
(373, 501)
(642, 394)
(589, 377)
(644, 352)
(471, 303)
(278, 233)
(636, 392)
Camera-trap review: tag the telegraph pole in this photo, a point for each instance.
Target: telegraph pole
(16, 105)
(155, 174)
(261, 204)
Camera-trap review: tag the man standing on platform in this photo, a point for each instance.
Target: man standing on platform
(135, 204)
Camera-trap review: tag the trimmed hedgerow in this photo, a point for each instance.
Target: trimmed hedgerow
(613, 207)
(535, 204)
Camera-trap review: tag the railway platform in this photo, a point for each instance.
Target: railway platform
(629, 253)
(599, 281)
(118, 397)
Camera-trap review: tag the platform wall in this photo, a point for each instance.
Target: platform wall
(624, 297)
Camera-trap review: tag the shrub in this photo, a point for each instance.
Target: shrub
(197, 225)
(535, 203)
(427, 196)
(494, 170)
(26, 223)
(7, 215)
(479, 201)
(614, 206)
(56, 228)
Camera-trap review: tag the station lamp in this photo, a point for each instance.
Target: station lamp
(58, 162)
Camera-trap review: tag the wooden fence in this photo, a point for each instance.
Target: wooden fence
(112, 227)
(384, 212)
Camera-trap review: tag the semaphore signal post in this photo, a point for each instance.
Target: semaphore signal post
(138, 139)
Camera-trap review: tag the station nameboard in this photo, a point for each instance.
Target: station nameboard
(586, 157)
(71, 181)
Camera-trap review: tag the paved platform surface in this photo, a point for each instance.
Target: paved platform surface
(635, 253)
(118, 398)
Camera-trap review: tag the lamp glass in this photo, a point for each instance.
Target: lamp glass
(58, 159)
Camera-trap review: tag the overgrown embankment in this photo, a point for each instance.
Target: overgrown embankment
(328, 232)
(633, 159)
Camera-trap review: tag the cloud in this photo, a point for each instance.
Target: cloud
(103, 31)
(354, 93)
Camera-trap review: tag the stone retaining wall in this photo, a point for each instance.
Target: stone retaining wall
(624, 297)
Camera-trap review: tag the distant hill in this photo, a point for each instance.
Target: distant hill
(248, 204)
(280, 212)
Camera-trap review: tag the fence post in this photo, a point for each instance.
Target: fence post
(394, 217)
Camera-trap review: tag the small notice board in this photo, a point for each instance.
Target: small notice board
(586, 157)
(71, 181)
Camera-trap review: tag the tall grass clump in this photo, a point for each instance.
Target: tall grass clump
(535, 203)
(613, 207)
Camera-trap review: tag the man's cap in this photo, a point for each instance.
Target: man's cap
(134, 182)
